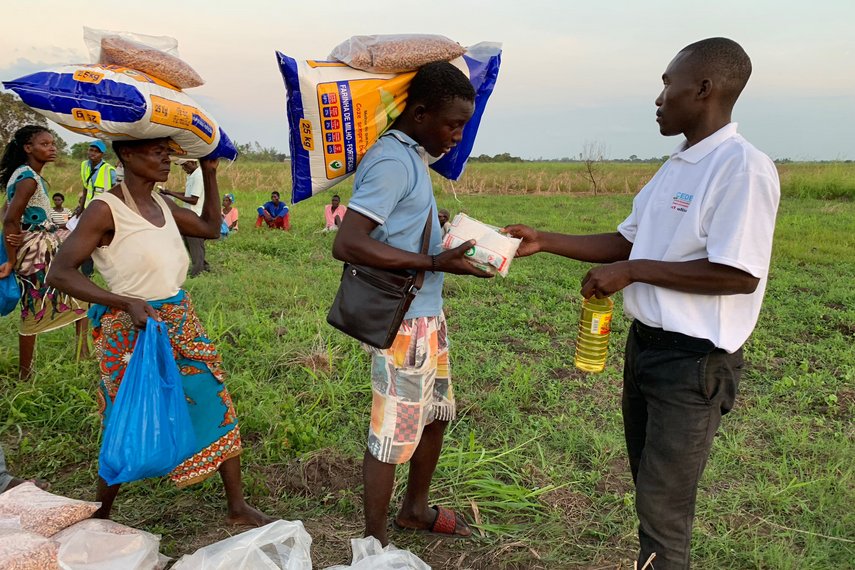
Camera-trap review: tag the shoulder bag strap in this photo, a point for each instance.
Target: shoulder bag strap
(420, 276)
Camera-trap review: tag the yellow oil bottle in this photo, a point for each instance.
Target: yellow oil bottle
(592, 343)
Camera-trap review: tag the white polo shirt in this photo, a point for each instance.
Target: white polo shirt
(717, 200)
(195, 186)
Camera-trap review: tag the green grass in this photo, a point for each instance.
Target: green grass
(537, 450)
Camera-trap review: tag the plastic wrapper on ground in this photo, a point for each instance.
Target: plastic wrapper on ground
(280, 545)
(97, 544)
(368, 554)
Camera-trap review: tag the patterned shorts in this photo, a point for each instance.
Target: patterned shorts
(411, 386)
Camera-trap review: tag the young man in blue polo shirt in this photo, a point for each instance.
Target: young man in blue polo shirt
(413, 400)
(692, 259)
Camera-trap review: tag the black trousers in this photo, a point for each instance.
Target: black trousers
(196, 248)
(676, 388)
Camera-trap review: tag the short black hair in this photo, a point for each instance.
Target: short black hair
(58, 194)
(436, 84)
(335, 196)
(275, 192)
(722, 60)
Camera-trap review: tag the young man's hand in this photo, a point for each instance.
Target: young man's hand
(454, 261)
(530, 239)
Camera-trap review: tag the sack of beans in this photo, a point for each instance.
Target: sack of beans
(22, 550)
(97, 544)
(395, 53)
(111, 102)
(336, 112)
(155, 55)
(42, 512)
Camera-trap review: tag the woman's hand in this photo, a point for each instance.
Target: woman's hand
(209, 164)
(15, 240)
(140, 311)
(5, 269)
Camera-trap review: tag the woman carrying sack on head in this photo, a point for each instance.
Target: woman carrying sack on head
(134, 237)
(31, 242)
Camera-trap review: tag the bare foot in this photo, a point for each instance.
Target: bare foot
(43, 485)
(248, 515)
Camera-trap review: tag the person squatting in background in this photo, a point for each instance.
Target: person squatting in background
(274, 213)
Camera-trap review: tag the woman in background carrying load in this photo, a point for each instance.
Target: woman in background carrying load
(134, 237)
(31, 241)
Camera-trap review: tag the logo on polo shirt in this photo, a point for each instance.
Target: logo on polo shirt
(681, 201)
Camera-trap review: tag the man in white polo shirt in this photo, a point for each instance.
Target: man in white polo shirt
(194, 199)
(692, 259)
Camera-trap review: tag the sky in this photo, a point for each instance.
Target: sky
(573, 73)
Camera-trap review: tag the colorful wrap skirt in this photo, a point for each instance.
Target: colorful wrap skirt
(211, 409)
(43, 308)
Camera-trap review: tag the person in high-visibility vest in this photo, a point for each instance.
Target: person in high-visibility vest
(97, 176)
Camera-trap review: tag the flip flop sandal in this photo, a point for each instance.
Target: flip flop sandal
(445, 524)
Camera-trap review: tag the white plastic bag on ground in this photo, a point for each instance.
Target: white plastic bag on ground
(96, 544)
(369, 555)
(493, 251)
(280, 545)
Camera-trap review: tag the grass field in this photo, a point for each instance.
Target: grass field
(536, 456)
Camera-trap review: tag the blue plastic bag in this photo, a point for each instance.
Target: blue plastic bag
(10, 290)
(149, 431)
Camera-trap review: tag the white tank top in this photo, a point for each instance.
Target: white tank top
(143, 260)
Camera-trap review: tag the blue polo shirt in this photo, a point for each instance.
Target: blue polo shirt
(274, 210)
(392, 187)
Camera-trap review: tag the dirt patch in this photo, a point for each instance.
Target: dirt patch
(324, 475)
(543, 327)
(616, 479)
(572, 506)
(229, 338)
(846, 329)
(314, 361)
(515, 344)
(566, 373)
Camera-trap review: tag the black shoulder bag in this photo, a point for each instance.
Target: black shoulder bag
(371, 303)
